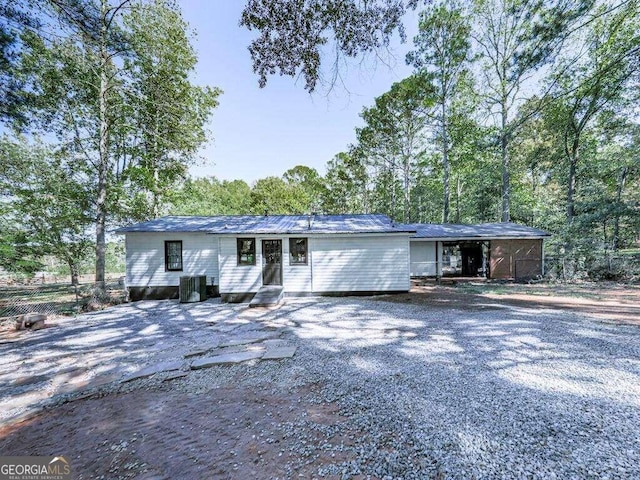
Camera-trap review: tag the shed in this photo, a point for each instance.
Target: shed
(492, 250)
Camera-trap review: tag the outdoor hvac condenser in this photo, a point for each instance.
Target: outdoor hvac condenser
(193, 289)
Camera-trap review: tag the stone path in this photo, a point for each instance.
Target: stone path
(128, 343)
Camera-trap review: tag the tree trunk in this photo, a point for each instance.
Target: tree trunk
(407, 189)
(445, 165)
(458, 195)
(103, 162)
(73, 268)
(616, 221)
(571, 184)
(506, 183)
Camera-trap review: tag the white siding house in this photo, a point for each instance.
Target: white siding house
(424, 258)
(145, 258)
(363, 263)
(335, 254)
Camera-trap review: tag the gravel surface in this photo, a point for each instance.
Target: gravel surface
(502, 392)
(507, 393)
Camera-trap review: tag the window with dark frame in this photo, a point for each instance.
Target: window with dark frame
(246, 251)
(297, 251)
(173, 255)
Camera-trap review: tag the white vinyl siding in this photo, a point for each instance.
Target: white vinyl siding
(297, 277)
(236, 278)
(146, 260)
(243, 278)
(423, 259)
(360, 263)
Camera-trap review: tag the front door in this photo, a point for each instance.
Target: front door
(272, 262)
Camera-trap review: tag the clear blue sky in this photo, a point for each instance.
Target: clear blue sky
(259, 132)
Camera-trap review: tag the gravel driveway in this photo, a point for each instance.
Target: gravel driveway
(406, 391)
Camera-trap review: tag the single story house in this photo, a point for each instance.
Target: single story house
(306, 254)
(319, 254)
(491, 250)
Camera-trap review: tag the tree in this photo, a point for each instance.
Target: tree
(100, 87)
(393, 139)
(307, 180)
(346, 186)
(210, 196)
(442, 54)
(292, 33)
(166, 125)
(274, 196)
(589, 84)
(514, 38)
(49, 204)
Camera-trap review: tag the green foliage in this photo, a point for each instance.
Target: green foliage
(442, 55)
(272, 195)
(168, 111)
(345, 186)
(292, 34)
(111, 92)
(210, 196)
(392, 143)
(48, 206)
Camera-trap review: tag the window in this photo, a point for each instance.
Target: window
(173, 255)
(297, 251)
(246, 251)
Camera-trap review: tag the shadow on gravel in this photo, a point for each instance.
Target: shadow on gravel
(415, 392)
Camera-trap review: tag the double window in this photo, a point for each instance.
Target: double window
(297, 251)
(173, 255)
(246, 251)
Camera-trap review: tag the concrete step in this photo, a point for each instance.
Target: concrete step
(268, 296)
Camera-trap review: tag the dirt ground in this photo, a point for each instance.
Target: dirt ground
(609, 302)
(232, 432)
(226, 432)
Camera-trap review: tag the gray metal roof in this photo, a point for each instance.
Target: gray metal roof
(276, 224)
(483, 230)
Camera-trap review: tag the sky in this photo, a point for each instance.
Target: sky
(258, 132)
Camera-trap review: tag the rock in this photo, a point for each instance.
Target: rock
(246, 339)
(277, 353)
(153, 369)
(226, 359)
(174, 376)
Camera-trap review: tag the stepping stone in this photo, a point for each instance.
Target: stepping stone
(277, 353)
(101, 380)
(153, 369)
(228, 358)
(196, 353)
(174, 376)
(268, 296)
(247, 339)
(275, 342)
(236, 348)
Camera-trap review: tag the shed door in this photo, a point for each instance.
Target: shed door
(272, 262)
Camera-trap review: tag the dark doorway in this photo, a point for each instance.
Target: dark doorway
(272, 262)
(471, 260)
(465, 259)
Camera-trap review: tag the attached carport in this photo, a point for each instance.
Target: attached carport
(490, 250)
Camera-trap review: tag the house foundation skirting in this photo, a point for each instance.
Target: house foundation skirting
(163, 292)
(172, 293)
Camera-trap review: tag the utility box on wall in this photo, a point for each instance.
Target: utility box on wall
(193, 289)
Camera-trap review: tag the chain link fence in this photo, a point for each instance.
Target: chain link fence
(55, 299)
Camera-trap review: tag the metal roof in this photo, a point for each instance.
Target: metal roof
(483, 230)
(274, 224)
